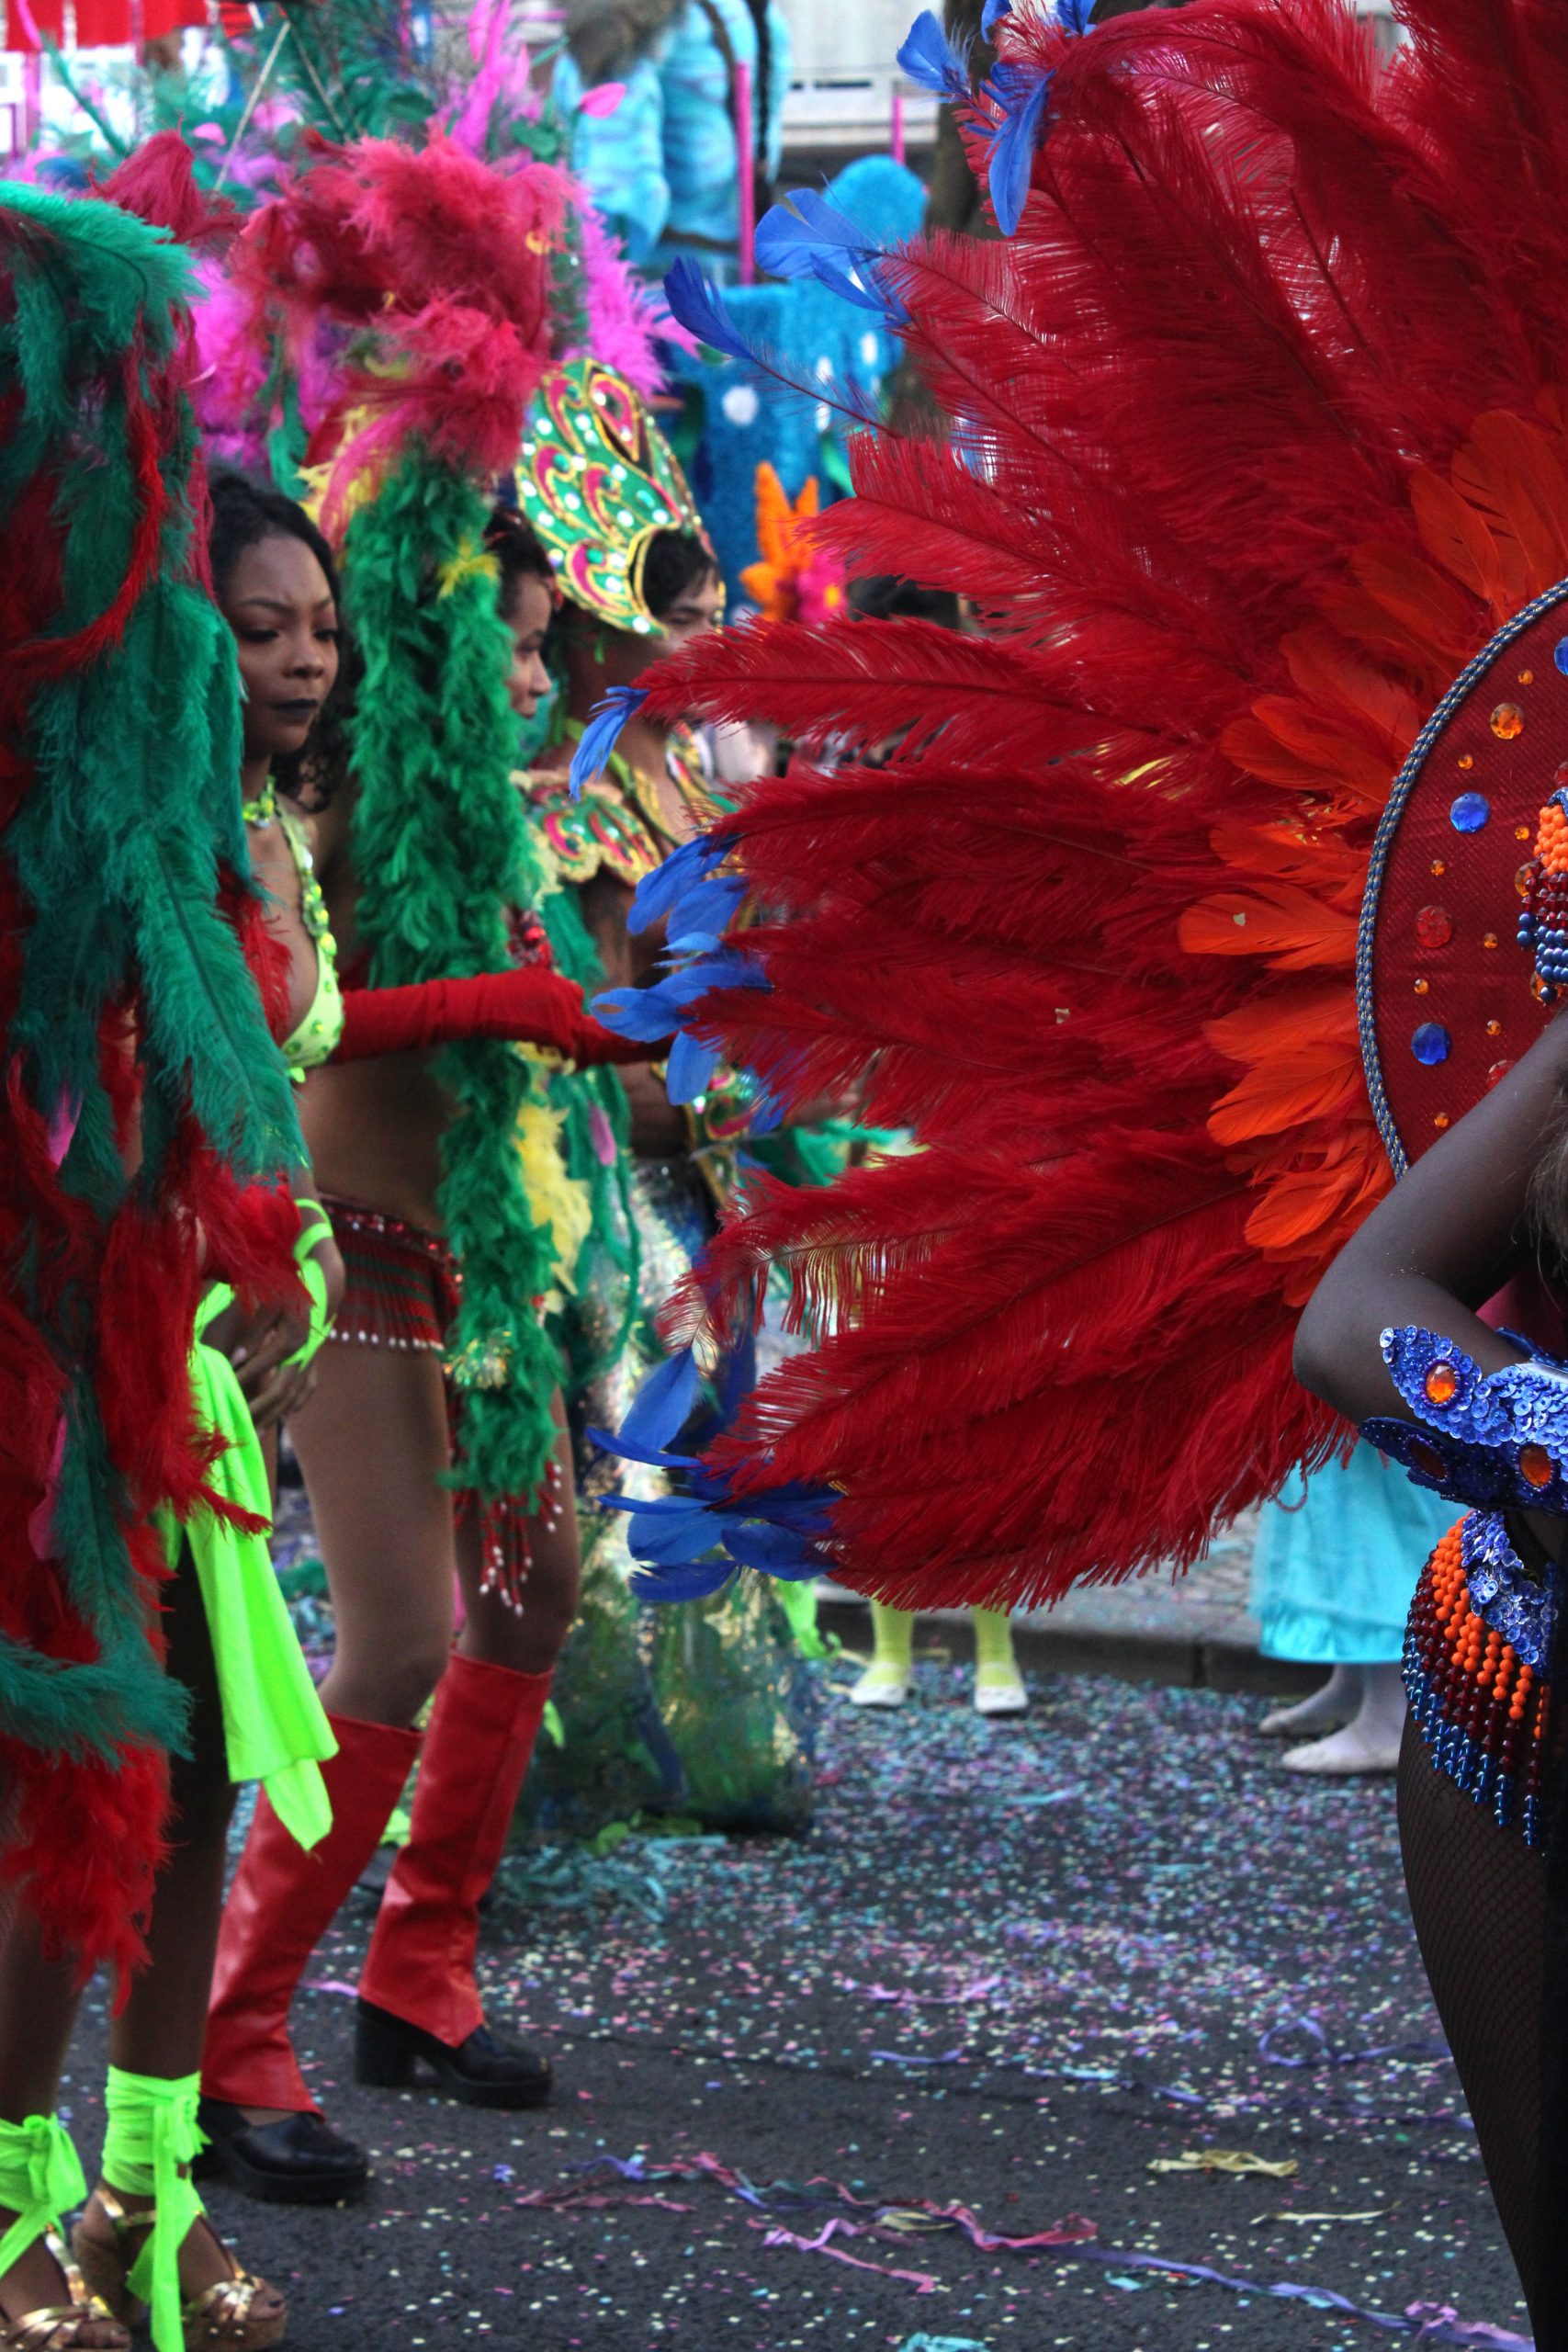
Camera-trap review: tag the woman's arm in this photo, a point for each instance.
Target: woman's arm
(1445, 1239)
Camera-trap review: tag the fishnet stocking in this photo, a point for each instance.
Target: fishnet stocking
(1479, 1897)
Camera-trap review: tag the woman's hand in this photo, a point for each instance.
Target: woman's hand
(258, 1344)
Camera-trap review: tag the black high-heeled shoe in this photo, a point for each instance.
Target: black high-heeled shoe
(488, 2069)
(299, 2161)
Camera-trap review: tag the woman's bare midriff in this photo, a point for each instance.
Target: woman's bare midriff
(374, 1132)
(373, 1128)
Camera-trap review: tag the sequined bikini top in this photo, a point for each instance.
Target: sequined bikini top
(315, 1036)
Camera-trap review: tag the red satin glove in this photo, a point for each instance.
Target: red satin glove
(529, 1006)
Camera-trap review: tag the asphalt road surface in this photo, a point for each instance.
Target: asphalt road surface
(1020, 1982)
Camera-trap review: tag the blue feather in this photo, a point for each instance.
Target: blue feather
(641, 1014)
(599, 737)
(668, 884)
(664, 1403)
(697, 1580)
(773, 1551)
(715, 901)
(695, 304)
(808, 237)
(928, 58)
(672, 1541)
(656, 1456)
(1025, 98)
(1076, 16)
(690, 1069)
(992, 15)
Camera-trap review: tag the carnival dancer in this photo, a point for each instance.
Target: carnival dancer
(151, 1145)
(1255, 442)
(637, 576)
(439, 1373)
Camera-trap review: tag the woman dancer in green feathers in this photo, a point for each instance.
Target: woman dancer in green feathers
(150, 1145)
(449, 669)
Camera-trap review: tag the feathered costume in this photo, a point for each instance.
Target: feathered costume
(1253, 434)
(135, 1042)
(433, 269)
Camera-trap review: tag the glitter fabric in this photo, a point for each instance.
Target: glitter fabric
(1490, 1439)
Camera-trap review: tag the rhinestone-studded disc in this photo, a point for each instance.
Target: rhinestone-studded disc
(1444, 989)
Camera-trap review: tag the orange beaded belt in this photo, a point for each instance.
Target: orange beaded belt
(1479, 1707)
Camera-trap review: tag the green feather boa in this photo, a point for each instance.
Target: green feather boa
(442, 853)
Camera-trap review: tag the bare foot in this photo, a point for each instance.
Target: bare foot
(1347, 1751)
(36, 2282)
(1337, 1703)
(1371, 1742)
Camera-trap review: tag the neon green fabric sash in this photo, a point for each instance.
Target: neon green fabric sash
(275, 1728)
(40, 2181)
(151, 2142)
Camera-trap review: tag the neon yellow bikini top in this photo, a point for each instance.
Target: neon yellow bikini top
(315, 1037)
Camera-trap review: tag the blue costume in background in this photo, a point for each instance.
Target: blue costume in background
(1338, 1557)
(662, 167)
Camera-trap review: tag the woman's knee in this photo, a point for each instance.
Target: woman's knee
(393, 1685)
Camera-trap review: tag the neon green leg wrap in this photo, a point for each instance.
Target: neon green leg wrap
(797, 1598)
(886, 1682)
(993, 1644)
(153, 2132)
(893, 1637)
(40, 2179)
(998, 1686)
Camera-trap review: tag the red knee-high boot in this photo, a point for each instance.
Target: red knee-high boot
(282, 1900)
(418, 2001)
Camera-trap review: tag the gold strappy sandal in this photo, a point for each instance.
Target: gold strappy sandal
(58, 2327)
(223, 2315)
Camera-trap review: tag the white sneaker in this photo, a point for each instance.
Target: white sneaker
(881, 1686)
(1000, 1692)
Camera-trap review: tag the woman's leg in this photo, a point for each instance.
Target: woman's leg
(371, 1444)
(1478, 1896)
(886, 1682)
(419, 2002)
(159, 2032)
(528, 1640)
(38, 1999)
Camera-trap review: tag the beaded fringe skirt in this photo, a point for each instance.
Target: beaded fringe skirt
(1483, 1711)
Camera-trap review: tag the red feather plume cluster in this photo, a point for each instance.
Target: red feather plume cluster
(1254, 434)
(434, 270)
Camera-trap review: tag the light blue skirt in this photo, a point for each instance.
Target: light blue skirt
(1336, 1561)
